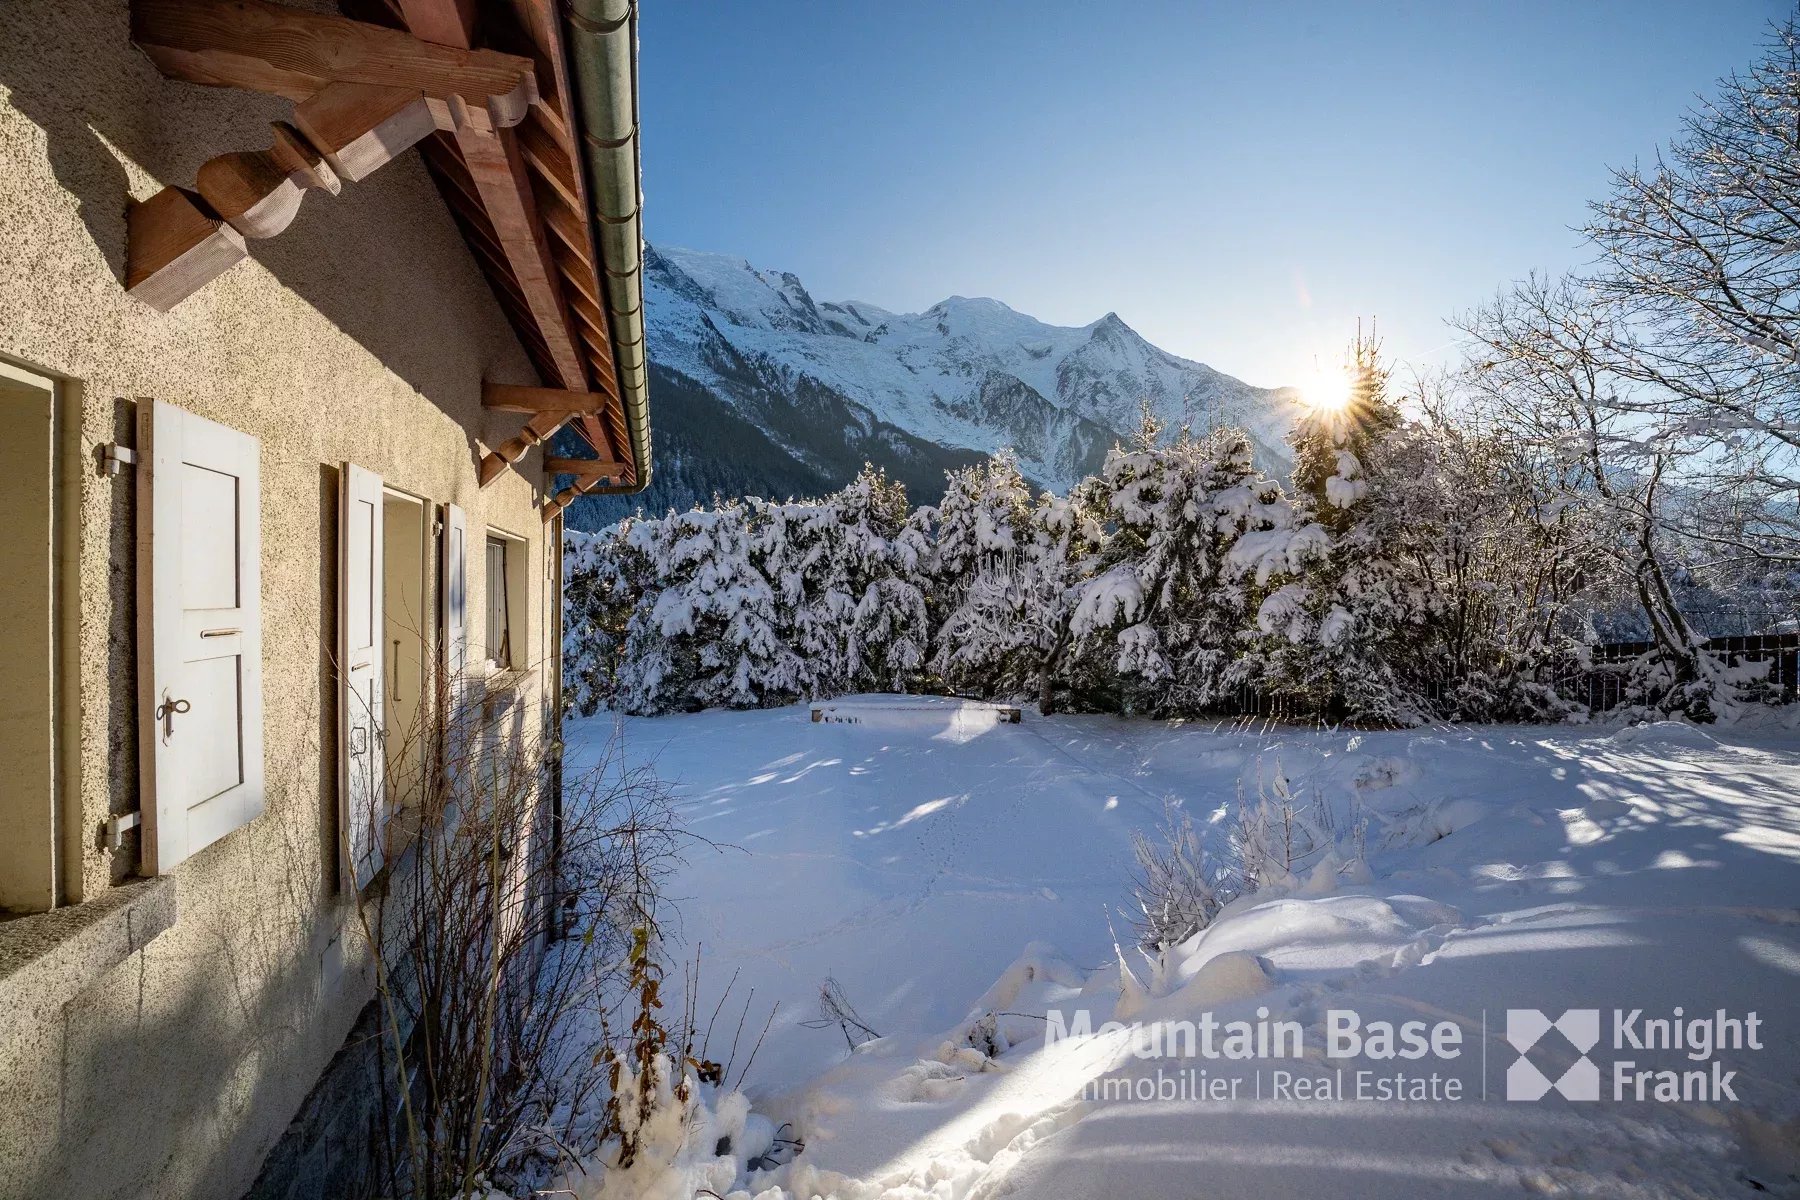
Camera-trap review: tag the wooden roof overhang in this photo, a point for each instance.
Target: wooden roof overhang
(483, 89)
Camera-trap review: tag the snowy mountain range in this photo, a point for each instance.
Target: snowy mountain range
(760, 388)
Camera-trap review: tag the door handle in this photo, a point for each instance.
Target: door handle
(359, 739)
(167, 711)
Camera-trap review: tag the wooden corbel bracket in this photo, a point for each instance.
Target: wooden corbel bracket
(589, 473)
(537, 431)
(364, 95)
(550, 409)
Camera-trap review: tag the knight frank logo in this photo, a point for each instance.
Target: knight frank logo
(1660, 1059)
(1577, 1029)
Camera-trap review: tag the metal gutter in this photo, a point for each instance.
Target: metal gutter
(602, 47)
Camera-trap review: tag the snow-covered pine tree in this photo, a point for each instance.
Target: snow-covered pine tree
(981, 531)
(830, 586)
(711, 635)
(872, 583)
(605, 579)
(655, 671)
(790, 542)
(1333, 443)
(1335, 619)
(1447, 566)
(1109, 641)
(1068, 535)
(892, 615)
(1167, 605)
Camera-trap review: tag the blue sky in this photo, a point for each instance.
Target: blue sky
(1238, 181)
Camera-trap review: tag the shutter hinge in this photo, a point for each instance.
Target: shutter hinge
(117, 824)
(114, 457)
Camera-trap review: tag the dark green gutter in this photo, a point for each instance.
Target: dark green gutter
(602, 42)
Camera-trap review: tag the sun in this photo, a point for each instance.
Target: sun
(1326, 391)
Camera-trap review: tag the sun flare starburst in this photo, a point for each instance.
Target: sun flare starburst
(1327, 391)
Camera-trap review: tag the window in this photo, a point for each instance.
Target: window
(406, 565)
(32, 634)
(499, 611)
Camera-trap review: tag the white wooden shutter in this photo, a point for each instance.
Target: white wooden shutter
(362, 759)
(453, 596)
(199, 568)
(455, 592)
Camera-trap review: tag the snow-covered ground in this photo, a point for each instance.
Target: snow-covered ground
(941, 867)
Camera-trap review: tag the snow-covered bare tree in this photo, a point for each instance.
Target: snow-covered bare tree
(1549, 371)
(1496, 565)
(1701, 272)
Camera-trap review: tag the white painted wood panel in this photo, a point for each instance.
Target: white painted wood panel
(362, 758)
(200, 632)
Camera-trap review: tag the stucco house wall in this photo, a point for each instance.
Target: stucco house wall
(363, 334)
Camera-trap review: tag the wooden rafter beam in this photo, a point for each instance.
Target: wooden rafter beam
(539, 142)
(264, 47)
(577, 273)
(506, 397)
(446, 22)
(586, 468)
(562, 242)
(497, 169)
(550, 145)
(603, 430)
(567, 226)
(440, 151)
(365, 94)
(589, 313)
(551, 409)
(177, 245)
(498, 172)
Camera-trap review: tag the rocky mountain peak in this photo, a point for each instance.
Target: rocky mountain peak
(829, 383)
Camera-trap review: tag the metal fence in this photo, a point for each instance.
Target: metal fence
(1601, 684)
(1599, 681)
